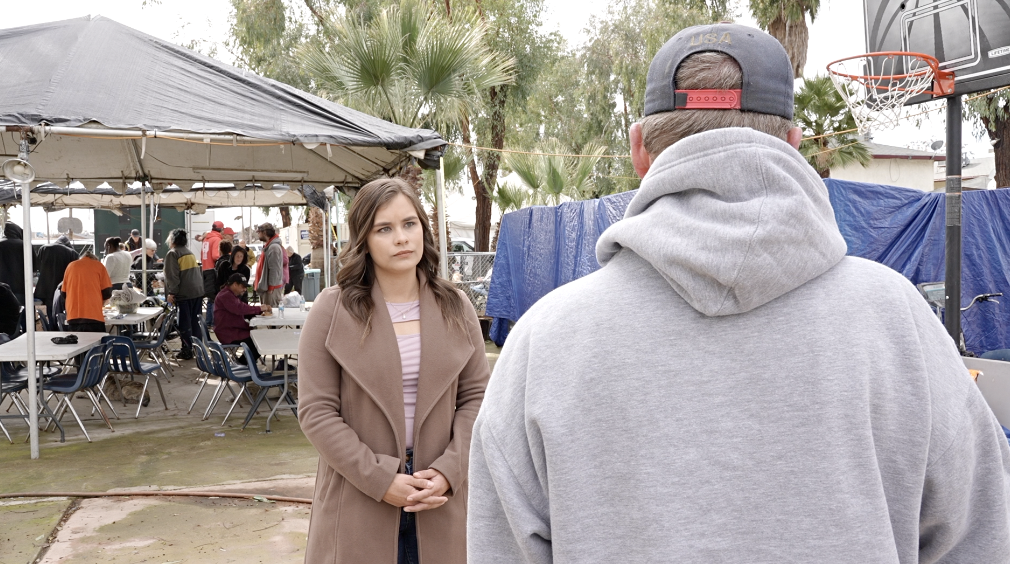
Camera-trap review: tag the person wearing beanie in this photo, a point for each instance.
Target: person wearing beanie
(154, 264)
(12, 260)
(134, 242)
(730, 386)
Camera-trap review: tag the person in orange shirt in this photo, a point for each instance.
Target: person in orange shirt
(86, 286)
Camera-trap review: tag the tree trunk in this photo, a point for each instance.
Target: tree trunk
(285, 216)
(482, 226)
(412, 175)
(316, 235)
(794, 36)
(494, 242)
(999, 129)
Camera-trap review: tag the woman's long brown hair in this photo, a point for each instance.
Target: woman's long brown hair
(357, 273)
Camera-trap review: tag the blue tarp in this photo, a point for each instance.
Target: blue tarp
(541, 248)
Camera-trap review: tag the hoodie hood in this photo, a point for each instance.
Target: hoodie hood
(65, 241)
(732, 218)
(13, 231)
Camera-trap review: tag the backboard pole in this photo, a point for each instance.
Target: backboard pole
(952, 277)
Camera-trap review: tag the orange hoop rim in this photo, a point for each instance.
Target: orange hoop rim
(943, 80)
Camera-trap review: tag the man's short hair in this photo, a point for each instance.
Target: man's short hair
(267, 229)
(706, 70)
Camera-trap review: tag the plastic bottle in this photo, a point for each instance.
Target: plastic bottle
(301, 304)
(280, 311)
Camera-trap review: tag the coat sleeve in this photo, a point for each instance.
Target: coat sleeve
(454, 462)
(319, 408)
(172, 280)
(508, 519)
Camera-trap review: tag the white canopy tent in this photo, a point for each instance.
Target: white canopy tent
(91, 101)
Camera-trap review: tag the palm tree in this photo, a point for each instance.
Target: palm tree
(508, 198)
(410, 64)
(786, 20)
(822, 113)
(549, 175)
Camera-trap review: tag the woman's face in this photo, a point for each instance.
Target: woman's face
(396, 239)
(238, 258)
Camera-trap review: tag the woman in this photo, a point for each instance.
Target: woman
(117, 262)
(154, 264)
(236, 264)
(392, 372)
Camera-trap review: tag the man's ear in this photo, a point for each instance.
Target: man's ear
(794, 136)
(639, 156)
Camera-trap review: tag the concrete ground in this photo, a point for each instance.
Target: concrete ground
(162, 450)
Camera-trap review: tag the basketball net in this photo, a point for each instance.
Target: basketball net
(877, 86)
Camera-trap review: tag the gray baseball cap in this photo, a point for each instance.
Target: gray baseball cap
(767, 72)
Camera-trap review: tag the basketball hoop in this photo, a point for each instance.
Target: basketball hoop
(876, 86)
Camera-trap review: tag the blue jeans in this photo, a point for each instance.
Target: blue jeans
(189, 321)
(210, 314)
(408, 527)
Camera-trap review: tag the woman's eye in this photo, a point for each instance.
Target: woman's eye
(384, 230)
(410, 224)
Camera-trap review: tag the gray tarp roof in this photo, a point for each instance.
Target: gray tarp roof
(96, 75)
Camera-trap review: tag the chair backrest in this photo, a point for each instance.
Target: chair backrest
(222, 366)
(96, 365)
(202, 357)
(43, 320)
(21, 321)
(123, 355)
(253, 369)
(61, 320)
(204, 334)
(166, 326)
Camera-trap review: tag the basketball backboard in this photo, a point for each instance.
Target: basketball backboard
(969, 37)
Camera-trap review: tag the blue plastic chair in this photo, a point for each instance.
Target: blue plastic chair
(90, 374)
(154, 347)
(224, 368)
(206, 367)
(124, 360)
(266, 381)
(12, 388)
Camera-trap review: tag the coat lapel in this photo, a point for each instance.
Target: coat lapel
(444, 353)
(373, 362)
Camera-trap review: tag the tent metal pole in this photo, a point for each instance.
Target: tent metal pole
(326, 247)
(143, 242)
(33, 391)
(443, 258)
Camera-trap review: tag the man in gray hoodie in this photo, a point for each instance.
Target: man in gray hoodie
(730, 387)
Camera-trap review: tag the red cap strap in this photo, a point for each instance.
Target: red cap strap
(708, 100)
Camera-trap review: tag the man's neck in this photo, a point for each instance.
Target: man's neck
(398, 287)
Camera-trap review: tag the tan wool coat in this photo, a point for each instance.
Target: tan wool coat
(351, 409)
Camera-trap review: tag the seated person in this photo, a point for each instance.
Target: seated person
(230, 323)
(10, 311)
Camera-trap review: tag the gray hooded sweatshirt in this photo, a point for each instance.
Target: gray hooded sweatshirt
(731, 388)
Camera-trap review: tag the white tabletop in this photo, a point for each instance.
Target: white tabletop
(292, 318)
(45, 349)
(276, 341)
(143, 314)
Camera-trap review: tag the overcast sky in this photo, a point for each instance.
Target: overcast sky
(837, 32)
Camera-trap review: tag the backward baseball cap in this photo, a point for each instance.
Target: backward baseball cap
(767, 86)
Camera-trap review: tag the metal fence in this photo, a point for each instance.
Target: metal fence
(471, 272)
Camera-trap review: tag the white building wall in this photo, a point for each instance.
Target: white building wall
(909, 173)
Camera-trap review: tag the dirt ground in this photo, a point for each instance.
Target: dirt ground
(165, 449)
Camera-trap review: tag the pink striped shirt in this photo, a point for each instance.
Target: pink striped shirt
(410, 360)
